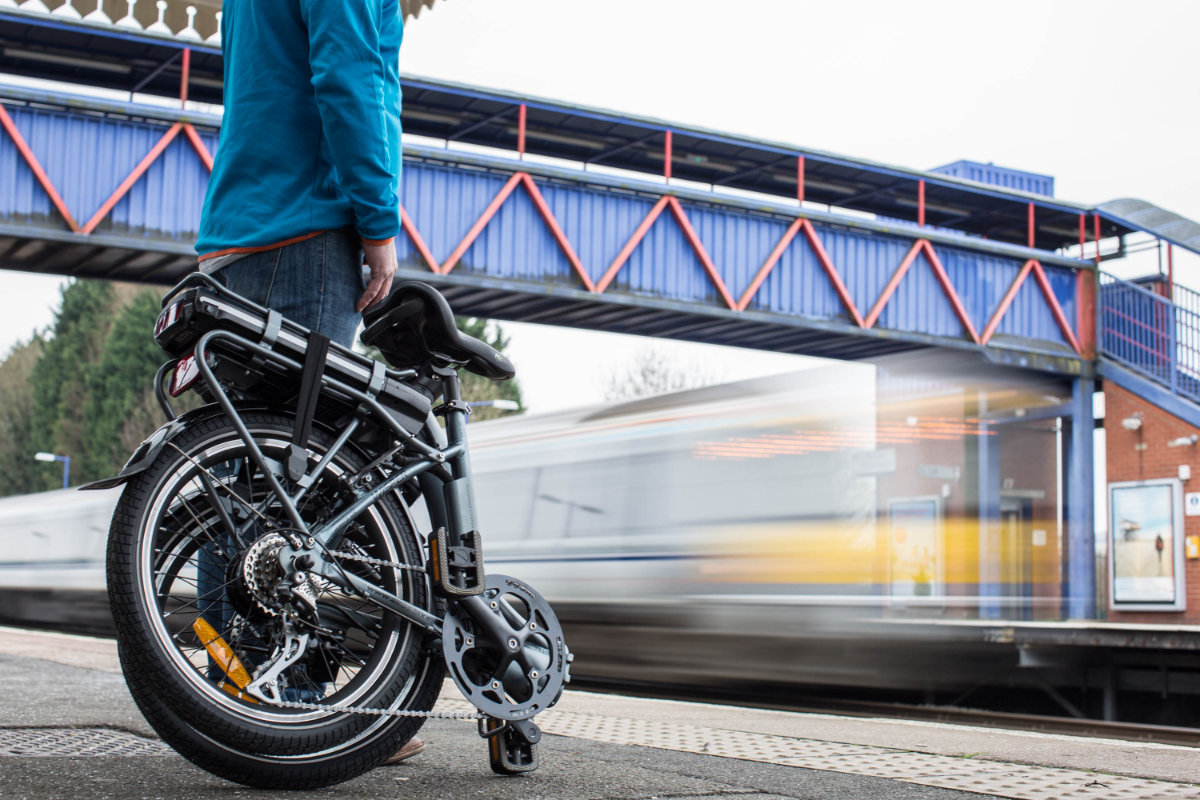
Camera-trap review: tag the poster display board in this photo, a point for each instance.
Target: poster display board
(915, 547)
(1145, 545)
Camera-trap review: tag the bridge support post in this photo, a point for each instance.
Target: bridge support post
(991, 589)
(1079, 590)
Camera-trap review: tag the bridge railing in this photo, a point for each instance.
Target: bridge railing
(1149, 334)
(1186, 298)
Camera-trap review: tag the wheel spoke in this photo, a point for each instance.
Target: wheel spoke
(210, 494)
(212, 510)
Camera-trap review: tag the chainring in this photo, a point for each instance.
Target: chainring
(524, 672)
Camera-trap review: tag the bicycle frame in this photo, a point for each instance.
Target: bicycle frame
(441, 464)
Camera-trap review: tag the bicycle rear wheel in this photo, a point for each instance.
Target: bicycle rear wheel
(190, 572)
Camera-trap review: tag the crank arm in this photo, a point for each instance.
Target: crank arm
(524, 729)
(482, 614)
(529, 660)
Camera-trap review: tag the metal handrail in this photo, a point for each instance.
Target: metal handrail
(1151, 335)
(1186, 298)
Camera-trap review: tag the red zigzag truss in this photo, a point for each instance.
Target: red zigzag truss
(799, 226)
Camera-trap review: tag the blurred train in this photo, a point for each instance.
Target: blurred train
(818, 528)
(842, 526)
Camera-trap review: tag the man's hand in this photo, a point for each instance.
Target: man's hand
(381, 258)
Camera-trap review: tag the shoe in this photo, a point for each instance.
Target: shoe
(413, 747)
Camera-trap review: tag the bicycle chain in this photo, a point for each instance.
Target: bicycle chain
(376, 562)
(379, 712)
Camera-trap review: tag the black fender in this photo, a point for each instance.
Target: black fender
(148, 450)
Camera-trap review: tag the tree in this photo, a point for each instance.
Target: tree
(478, 389)
(58, 379)
(92, 381)
(19, 473)
(120, 410)
(651, 372)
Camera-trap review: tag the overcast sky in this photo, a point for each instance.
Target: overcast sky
(1101, 94)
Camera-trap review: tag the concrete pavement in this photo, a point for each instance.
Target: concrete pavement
(64, 697)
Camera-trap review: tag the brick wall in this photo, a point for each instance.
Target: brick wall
(1144, 455)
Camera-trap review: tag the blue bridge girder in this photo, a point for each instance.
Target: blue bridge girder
(113, 190)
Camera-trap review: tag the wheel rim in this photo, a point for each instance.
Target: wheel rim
(187, 562)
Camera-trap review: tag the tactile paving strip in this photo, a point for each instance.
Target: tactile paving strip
(76, 743)
(1017, 781)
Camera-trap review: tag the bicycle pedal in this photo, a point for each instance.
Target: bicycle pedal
(512, 745)
(457, 563)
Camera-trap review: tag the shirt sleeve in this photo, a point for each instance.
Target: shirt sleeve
(348, 79)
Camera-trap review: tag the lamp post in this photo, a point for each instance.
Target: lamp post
(66, 462)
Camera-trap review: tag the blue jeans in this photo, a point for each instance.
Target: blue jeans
(314, 282)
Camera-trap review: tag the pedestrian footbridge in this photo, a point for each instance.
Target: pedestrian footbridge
(533, 210)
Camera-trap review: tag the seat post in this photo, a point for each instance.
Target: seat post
(460, 495)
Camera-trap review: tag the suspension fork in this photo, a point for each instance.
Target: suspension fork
(455, 544)
(448, 493)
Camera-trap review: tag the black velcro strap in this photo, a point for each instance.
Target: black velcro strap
(270, 333)
(378, 375)
(306, 403)
(271, 330)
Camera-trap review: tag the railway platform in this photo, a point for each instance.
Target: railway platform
(68, 729)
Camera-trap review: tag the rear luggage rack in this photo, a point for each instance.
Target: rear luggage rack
(256, 351)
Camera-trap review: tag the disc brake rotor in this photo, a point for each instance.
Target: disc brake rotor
(524, 671)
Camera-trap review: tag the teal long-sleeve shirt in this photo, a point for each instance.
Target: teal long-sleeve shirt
(311, 136)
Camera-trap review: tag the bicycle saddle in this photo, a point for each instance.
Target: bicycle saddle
(415, 325)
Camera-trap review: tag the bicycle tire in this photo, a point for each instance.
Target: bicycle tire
(155, 552)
